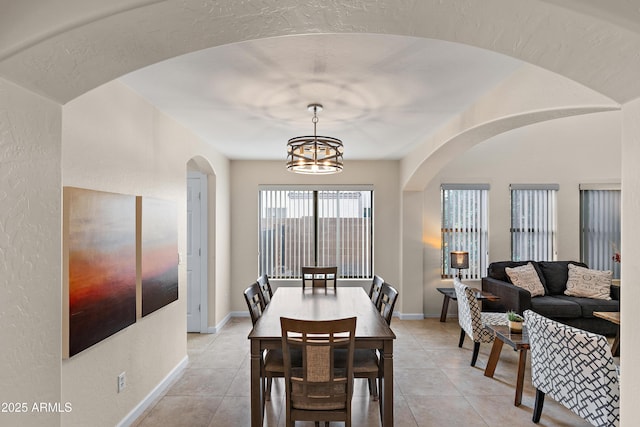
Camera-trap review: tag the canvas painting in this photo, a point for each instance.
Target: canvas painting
(159, 253)
(99, 266)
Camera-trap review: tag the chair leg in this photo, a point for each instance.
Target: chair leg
(476, 350)
(373, 388)
(267, 396)
(462, 335)
(537, 407)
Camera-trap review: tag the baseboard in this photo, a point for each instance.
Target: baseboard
(410, 316)
(154, 394)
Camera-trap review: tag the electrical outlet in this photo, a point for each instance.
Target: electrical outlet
(122, 381)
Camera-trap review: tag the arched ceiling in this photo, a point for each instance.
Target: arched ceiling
(63, 48)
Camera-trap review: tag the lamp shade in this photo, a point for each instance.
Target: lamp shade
(459, 259)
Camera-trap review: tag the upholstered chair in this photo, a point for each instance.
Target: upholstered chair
(472, 320)
(575, 368)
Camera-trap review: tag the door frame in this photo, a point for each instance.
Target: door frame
(204, 245)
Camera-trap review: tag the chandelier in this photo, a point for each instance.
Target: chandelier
(314, 154)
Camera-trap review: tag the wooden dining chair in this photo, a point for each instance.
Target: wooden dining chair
(273, 362)
(265, 288)
(322, 277)
(366, 363)
(387, 302)
(317, 389)
(374, 290)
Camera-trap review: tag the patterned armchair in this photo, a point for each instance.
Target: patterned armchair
(472, 320)
(575, 368)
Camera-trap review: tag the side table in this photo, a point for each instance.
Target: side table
(450, 294)
(519, 342)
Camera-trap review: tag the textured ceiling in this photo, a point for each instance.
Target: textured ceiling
(382, 94)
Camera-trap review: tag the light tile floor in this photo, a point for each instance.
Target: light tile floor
(434, 384)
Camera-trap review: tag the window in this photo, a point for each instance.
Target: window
(533, 222)
(323, 226)
(600, 226)
(464, 227)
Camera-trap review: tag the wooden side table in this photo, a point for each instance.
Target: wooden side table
(450, 294)
(613, 317)
(519, 342)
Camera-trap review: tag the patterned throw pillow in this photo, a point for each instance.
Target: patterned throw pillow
(587, 283)
(526, 277)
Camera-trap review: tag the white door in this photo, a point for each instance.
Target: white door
(194, 253)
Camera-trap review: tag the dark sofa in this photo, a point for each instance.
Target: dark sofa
(574, 311)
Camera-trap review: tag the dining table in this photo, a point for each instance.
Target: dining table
(372, 332)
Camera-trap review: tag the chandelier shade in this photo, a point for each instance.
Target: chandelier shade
(315, 154)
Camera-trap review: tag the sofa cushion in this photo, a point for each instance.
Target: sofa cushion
(496, 270)
(589, 305)
(583, 282)
(555, 275)
(554, 307)
(526, 277)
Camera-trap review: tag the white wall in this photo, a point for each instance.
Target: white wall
(115, 141)
(566, 151)
(247, 175)
(630, 250)
(30, 253)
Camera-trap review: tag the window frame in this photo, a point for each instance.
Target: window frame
(551, 215)
(479, 252)
(315, 214)
(605, 251)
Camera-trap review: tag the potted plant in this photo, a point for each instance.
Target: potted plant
(515, 322)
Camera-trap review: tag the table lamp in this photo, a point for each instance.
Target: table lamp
(459, 260)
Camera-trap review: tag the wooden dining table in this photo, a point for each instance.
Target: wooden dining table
(322, 304)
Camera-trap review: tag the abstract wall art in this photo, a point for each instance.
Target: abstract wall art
(99, 247)
(158, 253)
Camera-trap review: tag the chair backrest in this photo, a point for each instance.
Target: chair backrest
(265, 288)
(317, 384)
(376, 287)
(575, 368)
(387, 301)
(469, 313)
(322, 277)
(255, 303)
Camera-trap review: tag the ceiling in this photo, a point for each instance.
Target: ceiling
(382, 94)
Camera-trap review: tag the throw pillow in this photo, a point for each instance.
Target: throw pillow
(526, 277)
(583, 282)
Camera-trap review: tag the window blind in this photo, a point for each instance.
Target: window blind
(533, 222)
(464, 227)
(300, 226)
(600, 227)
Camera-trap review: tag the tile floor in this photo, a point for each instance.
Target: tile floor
(434, 384)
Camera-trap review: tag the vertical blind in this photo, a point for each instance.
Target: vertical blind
(464, 227)
(533, 222)
(600, 227)
(300, 226)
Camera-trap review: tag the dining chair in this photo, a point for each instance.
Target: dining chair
(322, 277)
(374, 290)
(387, 302)
(265, 288)
(317, 390)
(366, 362)
(273, 362)
(472, 319)
(575, 368)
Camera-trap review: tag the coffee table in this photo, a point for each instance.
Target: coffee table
(519, 342)
(450, 294)
(613, 317)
